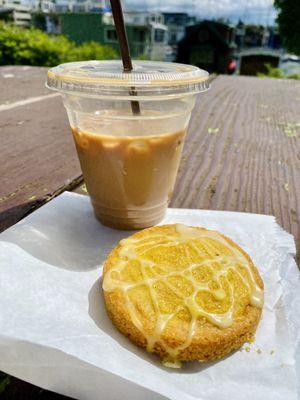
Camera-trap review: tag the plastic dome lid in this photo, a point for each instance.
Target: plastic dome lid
(147, 79)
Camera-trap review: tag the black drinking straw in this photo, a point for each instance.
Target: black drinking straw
(124, 48)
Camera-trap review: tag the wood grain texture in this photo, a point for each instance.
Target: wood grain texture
(22, 82)
(242, 152)
(37, 162)
(38, 158)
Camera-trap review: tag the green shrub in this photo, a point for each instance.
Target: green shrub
(4, 382)
(294, 76)
(91, 51)
(273, 72)
(142, 57)
(19, 46)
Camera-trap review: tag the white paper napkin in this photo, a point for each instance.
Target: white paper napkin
(54, 331)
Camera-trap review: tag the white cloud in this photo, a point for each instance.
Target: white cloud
(259, 11)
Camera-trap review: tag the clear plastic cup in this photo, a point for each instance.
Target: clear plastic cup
(129, 160)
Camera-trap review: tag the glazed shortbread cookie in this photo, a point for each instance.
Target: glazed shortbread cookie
(183, 293)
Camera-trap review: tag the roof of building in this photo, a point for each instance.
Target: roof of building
(212, 26)
(156, 25)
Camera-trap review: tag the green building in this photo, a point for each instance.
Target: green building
(86, 27)
(146, 31)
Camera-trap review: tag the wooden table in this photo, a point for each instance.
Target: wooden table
(242, 152)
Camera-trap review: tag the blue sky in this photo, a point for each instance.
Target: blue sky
(258, 11)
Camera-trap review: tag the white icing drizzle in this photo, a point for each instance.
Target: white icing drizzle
(132, 249)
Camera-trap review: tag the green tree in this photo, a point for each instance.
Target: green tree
(289, 23)
(19, 46)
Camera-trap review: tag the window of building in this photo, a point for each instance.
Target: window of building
(159, 35)
(139, 35)
(111, 35)
(173, 38)
(203, 36)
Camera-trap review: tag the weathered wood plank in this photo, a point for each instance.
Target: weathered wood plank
(21, 82)
(38, 157)
(243, 150)
(38, 162)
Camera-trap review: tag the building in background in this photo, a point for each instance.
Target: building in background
(208, 45)
(59, 6)
(6, 14)
(21, 13)
(255, 60)
(97, 27)
(274, 38)
(146, 31)
(240, 35)
(256, 36)
(258, 48)
(250, 36)
(147, 34)
(176, 23)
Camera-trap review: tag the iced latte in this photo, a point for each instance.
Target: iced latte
(129, 161)
(130, 179)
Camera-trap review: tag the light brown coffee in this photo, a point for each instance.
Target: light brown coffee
(130, 179)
